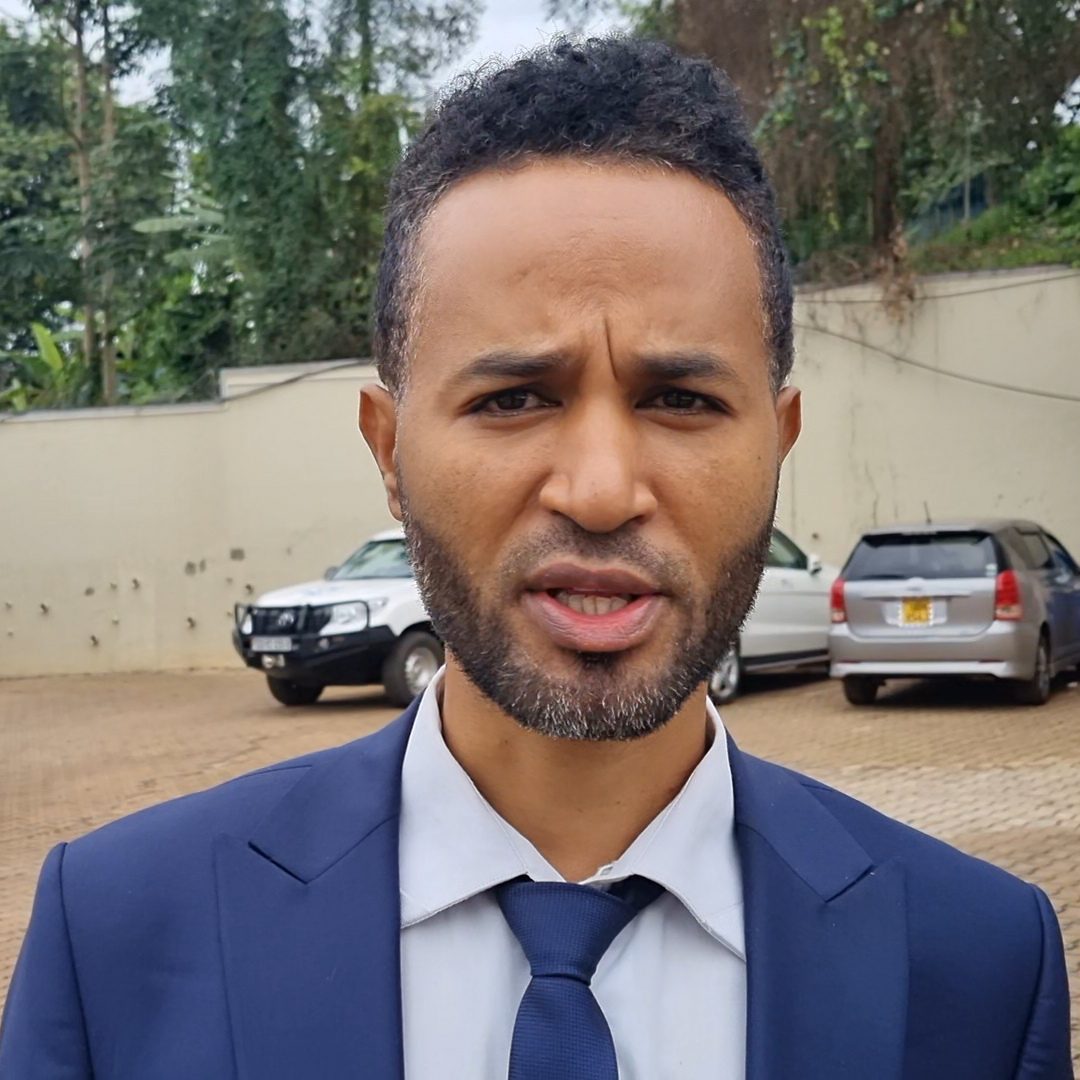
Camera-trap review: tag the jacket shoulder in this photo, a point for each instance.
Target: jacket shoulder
(885, 838)
(962, 910)
(164, 852)
(235, 804)
(985, 952)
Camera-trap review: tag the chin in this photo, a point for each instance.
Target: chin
(627, 665)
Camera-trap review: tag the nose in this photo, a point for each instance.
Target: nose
(596, 479)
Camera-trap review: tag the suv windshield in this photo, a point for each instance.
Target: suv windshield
(377, 559)
(923, 555)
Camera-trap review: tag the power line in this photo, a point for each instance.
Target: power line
(974, 379)
(301, 377)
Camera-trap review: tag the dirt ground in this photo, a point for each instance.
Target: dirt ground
(955, 760)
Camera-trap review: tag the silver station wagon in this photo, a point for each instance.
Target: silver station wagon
(982, 598)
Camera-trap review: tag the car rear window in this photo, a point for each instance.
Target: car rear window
(924, 555)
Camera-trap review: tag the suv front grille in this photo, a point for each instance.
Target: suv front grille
(288, 620)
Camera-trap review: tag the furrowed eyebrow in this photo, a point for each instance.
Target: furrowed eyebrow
(671, 367)
(689, 365)
(509, 365)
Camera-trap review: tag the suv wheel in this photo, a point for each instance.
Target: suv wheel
(411, 666)
(860, 689)
(726, 679)
(1036, 690)
(291, 693)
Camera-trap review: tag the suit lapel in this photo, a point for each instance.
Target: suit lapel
(310, 919)
(826, 937)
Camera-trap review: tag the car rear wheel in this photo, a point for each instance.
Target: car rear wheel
(726, 679)
(411, 666)
(860, 689)
(1036, 690)
(291, 693)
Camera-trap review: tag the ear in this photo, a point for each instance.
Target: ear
(788, 418)
(378, 423)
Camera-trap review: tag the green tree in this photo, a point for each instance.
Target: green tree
(869, 112)
(236, 219)
(293, 128)
(38, 216)
(91, 44)
(871, 109)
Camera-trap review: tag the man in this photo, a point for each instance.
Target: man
(555, 865)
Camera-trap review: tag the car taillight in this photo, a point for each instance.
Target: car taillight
(1007, 605)
(839, 608)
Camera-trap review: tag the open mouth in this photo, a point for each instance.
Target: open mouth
(592, 603)
(593, 609)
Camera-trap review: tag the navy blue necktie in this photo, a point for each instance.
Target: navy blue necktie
(564, 929)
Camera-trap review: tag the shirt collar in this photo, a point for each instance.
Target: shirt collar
(453, 845)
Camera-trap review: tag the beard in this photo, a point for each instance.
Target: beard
(604, 698)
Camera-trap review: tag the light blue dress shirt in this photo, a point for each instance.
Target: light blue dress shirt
(672, 985)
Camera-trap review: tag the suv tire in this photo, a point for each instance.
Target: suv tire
(860, 689)
(292, 693)
(411, 665)
(1036, 690)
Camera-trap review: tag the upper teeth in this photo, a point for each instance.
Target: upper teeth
(591, 604)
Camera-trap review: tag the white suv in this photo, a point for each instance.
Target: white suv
(788, 627)
(363, 624)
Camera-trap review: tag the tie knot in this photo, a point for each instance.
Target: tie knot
(564, 929)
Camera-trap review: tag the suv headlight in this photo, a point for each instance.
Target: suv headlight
(348, 618)
(243, 619)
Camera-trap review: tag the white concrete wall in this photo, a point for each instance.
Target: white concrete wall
(900, 427)
(126, 535)
(141, 528)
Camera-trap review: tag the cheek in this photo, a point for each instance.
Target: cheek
(470, 491)
(721, 496)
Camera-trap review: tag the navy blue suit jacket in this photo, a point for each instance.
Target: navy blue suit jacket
(251, 932)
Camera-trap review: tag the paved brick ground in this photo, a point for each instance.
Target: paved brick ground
(1000, 782)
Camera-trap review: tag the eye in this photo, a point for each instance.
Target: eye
(685, 401)
(511, 401)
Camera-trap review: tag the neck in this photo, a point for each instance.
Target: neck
(581, 804)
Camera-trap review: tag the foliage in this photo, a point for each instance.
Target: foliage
(38, 219)
(296, 143)
(880, 109)
(1040, 225)
(237, 218)
(874, 114)
(52, 377)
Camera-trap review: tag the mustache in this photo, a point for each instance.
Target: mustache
(623, 546)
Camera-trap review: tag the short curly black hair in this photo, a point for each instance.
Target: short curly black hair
(615, 97)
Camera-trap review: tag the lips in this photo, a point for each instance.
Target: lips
(600, 581)
(590, 609)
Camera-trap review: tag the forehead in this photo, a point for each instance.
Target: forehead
(543, 250)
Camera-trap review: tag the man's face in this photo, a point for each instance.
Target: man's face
(587, 450)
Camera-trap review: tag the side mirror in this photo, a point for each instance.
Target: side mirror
(814, 564)
(330, 572)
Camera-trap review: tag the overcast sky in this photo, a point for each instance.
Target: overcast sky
(509, 26)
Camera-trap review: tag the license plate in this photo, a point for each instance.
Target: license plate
(916, 611)
(271, 644)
